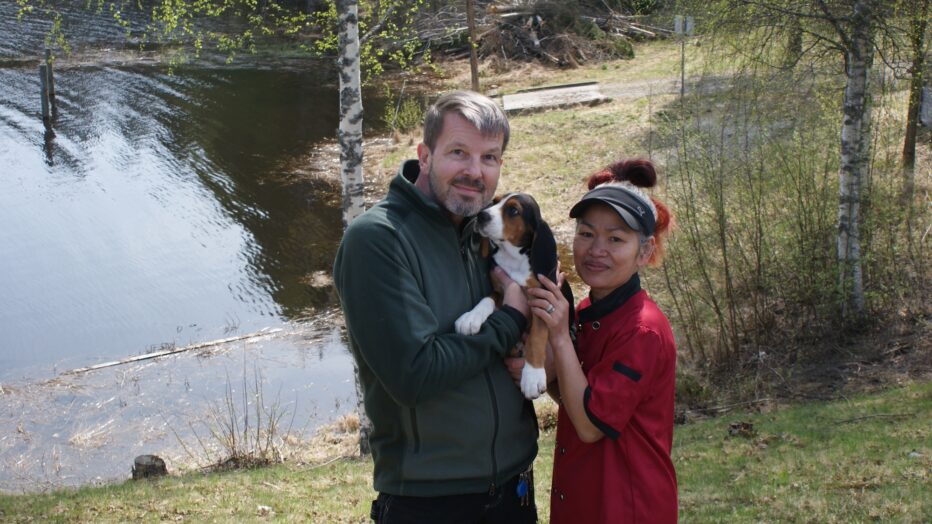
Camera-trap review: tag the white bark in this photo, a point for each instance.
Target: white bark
(350, 138)
(350, 132)
(855, 156)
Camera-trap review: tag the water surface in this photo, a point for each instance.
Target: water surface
(163, 209)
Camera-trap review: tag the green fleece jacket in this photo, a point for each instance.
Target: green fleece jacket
(447, 417)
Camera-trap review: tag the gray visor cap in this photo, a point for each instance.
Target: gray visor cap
(629, 207)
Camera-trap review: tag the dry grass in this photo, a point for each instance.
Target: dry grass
(93, 437)
(652, 60)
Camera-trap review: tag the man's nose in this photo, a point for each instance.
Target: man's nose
(474, 166)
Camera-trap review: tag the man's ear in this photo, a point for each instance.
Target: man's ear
(423, 156)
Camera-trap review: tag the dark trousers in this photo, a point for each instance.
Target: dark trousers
(502, 506)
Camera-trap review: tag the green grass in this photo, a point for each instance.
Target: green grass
(865, 459)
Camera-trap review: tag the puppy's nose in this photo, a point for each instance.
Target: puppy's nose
(483, 217)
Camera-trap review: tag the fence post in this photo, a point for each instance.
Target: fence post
(44, 82)
(51, 76)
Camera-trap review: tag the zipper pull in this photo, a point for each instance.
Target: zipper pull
(492, 490)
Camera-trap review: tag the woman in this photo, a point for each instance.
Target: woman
(615, 387)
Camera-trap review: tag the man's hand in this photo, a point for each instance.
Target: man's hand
(515, 365)
(511, 292)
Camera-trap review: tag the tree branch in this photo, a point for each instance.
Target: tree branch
(378, 26)
(836, 23)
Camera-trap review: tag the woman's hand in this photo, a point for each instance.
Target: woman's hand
(548, 304)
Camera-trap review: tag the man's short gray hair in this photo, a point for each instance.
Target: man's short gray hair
(479, 110)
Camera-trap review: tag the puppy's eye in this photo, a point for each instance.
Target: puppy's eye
(512, 211)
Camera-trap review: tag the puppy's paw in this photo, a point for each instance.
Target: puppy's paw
(533, 381)
(471, 321)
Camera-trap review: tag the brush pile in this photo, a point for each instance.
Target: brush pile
(559, 33)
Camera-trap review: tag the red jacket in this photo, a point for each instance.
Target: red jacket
(628, 354)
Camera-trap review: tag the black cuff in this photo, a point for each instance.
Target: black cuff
(516, 315)
(609, 431)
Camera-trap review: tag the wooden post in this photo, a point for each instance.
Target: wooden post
(51, 78)
(683, 27)
(473, 58)
(44, 81)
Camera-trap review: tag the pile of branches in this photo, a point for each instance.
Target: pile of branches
(553, 32)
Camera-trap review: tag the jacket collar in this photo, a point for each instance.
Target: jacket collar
(403, 183)
(612, 301)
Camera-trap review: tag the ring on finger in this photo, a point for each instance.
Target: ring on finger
(550, 308)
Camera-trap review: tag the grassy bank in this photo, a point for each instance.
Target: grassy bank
(857, 460)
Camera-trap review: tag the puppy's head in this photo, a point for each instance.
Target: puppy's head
(513, 219)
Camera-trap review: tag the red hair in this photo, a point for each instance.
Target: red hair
(641, 173)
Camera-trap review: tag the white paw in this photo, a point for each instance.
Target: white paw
(469, 323)
(533, 381)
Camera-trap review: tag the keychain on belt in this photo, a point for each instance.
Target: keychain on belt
(525, 486)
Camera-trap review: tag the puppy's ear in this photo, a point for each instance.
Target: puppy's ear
(496, 199)
(530, 211)
(543, 253)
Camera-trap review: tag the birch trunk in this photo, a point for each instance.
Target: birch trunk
(350, 138)
(855, 157)
(350, 132)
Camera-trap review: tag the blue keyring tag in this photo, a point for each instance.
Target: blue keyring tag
(522, 488)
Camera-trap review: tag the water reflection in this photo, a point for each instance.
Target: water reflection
(165, 209)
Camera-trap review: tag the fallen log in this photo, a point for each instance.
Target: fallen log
(157, 354)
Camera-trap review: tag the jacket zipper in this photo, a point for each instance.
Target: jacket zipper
(416, 435)
(468, 262)
(488, 381)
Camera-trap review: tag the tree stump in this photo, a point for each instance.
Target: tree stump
(148, 466)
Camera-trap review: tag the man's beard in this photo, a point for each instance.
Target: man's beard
(454, 203)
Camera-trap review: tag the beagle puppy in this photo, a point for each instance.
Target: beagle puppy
(523, 245)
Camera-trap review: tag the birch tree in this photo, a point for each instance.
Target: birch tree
(349, 136)
(847, 28)
(855, 31)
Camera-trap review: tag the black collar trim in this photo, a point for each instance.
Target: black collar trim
(613, 301)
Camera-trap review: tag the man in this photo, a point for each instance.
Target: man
(453, 438)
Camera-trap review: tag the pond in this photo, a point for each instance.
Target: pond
(164, 210)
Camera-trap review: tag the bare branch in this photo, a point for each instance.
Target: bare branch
(836, 23)
(827, 15)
